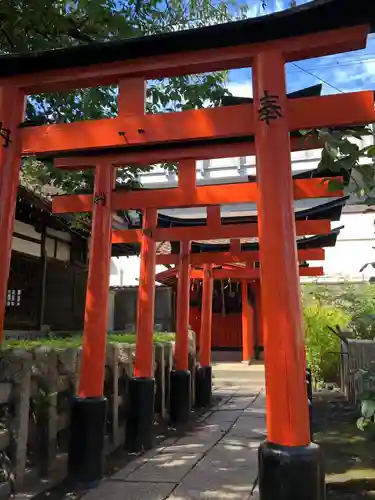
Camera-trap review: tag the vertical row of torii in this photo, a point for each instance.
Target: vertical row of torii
(290, 466)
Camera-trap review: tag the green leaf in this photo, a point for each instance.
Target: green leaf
(334, 185)
(368, 408)
(326, 161)
(370, 151)
(348, 148)
(332, 151)
(367, 172)
(358, 132)
(359, 373)
(330, 138)
(361, 423)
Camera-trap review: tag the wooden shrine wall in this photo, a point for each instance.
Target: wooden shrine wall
(226, 330)
(65, 296)
(23, 303)
(64, 299)
(226, 317)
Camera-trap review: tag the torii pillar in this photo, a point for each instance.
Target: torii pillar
(89, 409)
(290, 466)
(140, 419)
(12, 109)
(258, 318)
(203, 381)
(247, 325)
(180, 382)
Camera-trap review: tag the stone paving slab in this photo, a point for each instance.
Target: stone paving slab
(184, 493)
(248, 427)
(214, 428)
(221, 416)
(236, 404)
(244, 442)
(255, 412)
(225, 392)
(119, 490)
(227, 387)
(259, 402)
(226, 458)
(165, 467)
(217, 461)
(221, 476)
(221, 403)
(241, 432)
(247, 392)
(191, 445)
(141, 460)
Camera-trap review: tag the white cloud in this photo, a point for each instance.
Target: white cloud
(241, 89)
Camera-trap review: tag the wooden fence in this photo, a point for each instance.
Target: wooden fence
(36, 389)
(355, 354)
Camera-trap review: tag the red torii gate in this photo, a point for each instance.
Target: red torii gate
(290, 466)
(210, 273)
(147, 200)
(214, 229)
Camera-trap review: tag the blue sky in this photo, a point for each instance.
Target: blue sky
(339, 73)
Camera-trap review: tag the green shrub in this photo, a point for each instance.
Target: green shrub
(357, 300)
(367, 397)
(76, 340)
(322, 345)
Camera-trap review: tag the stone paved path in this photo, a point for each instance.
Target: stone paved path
(218, 461)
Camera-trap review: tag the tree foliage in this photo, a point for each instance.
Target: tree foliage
(365, 378)
(31, 25)
(343, 151)
(349, 307)
(322, 345)
(356, 300)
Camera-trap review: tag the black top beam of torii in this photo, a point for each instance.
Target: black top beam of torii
(312, 17)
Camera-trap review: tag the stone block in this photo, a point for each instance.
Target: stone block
(15, 367)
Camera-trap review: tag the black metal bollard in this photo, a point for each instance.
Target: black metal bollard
(309, 383)
(309, 399)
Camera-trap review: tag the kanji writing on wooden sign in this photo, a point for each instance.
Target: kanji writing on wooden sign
(100, 198)
(269, 108)
(5, 135)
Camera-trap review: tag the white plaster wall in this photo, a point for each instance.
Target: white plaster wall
(34, 248)
(63, 251)
(50, 247)
(354, 248)
(26, 230)
(125, 271)
(27, 247)
(59, 234)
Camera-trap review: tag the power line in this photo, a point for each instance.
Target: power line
(343, 63)
(318, 78)
(332, 65)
